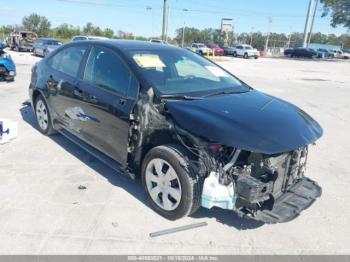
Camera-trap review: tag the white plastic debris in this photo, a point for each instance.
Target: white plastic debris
(216, 194)
(8, 130)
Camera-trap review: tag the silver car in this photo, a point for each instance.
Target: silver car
(43, 46)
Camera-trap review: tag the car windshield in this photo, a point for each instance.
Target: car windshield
(180, 72)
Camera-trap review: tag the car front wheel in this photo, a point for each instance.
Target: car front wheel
(43, 116)
(170, 183)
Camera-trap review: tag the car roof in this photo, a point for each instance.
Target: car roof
(129, 44)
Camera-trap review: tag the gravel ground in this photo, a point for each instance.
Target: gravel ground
(42, 211)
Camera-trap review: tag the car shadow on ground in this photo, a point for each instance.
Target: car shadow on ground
(134, 187)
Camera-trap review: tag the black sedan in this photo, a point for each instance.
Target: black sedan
(300, 52)
(194, 133)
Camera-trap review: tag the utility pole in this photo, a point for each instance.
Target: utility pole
(183, 28)
(251, 36)
(149, 8)
(312, 22)
(307, 24)
(165, 21)
(289, 38)
(268, 34)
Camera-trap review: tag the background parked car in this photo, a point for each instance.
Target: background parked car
(200, 48)
(246, 51)
(324, 53)
(7, 66)
(341, 54)
(216, 49)
(21, 40)
(88, 37)
(301, 52)
(228, 50)
(43, 46)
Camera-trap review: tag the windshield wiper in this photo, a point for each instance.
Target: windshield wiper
(183, 97)
(227, 92)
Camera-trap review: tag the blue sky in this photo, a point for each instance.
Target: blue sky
(133, 16)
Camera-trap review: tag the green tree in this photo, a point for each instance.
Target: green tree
(91, 29)
(319, 38)
(65, 31)
(36, 23)
(344, 39)
(332, 39)
(339, 10)
(108, 33)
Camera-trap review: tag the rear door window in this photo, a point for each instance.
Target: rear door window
(106, 70)
(68, 60)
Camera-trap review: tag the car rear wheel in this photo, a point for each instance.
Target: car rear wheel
(43, 116)
(171, 186)
(245, 56)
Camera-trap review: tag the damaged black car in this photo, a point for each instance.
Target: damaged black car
(194, 133)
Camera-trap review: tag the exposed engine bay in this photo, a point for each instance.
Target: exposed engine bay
(252, 183)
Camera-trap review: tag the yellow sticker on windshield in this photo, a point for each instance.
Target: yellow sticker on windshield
(148, 60)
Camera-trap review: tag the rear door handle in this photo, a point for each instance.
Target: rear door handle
(78, 92)
(93, 99)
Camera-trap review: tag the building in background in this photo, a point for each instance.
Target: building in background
(227, 30)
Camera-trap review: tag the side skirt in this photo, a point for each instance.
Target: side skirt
(94, 152)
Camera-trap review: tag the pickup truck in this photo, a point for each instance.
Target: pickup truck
(341, 54)
(246, 51)
(201, 49)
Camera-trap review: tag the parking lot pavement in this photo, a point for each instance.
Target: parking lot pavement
(42, 211)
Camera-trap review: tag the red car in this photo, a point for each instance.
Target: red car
(217, 49)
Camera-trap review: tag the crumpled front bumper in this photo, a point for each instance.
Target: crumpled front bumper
(291, 203)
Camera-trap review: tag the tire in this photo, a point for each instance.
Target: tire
(245, 56)
(234, 54)
(201, 53)
(43, 116)
(256, 57)
(186, 187)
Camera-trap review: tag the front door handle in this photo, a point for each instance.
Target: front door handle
(122, 101)
(51, 83)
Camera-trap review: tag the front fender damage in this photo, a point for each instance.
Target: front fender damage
(267, 187)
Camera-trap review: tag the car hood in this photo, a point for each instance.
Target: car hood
(251, 121)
